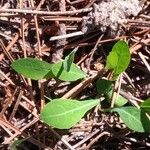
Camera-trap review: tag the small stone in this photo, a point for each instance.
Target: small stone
(110, 14)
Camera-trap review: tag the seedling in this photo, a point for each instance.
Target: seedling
(65, 113)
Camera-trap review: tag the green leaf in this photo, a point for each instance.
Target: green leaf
(103, 86)
(146, 105)
(69, 60)
(112, 60)
(120, 101)
(134, 118)
(72, 75)
(32, 68)
(63, 114)
(119, 58)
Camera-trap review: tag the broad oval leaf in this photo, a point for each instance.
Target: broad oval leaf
(119, 58)
(63, 114)
(103, 86)
(134, 118)
(32, 68)
(72, 75)
(146, 105)
(120, 101)
(112, 60)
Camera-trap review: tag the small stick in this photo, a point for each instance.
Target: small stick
(22, 31)
(16, 106)
(59, 37)
(5, 35)
(144, 61)
(36, 12)
(93, 50)
(138, 46)
(10, 45)
(114, 96)
(62, 18)
(130, 98)
(96, 139)
(62, 139)
(5, 76)
(5, 51)
(86, 138)
(8, 102)
(37, 142)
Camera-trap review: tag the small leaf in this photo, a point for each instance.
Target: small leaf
(69, 60)
(112, 60)
(120, 101)
(32, 68)
(72, 75)
(63, 114)
(103, 86)
(146, 105)
(119, 58)
(134, 118)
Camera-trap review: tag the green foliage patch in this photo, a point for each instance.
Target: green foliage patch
(65, 113)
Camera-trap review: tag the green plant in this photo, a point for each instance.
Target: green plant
(118, 59)
(105, 87)
(65, 113)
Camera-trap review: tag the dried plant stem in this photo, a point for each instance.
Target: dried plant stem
(144, 61)
(36, 12)
(59, 37)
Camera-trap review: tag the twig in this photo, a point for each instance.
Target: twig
(74, 2)
(5, 51)
(5, 35)
(8, 102)
(59, 37)
(130, 98)
(61, 18)
(37, 142)
(86, 138)
(36, 12)
(16, 106)
(14, 39)
(135, 141)
(90, 3)
(138, 46)
(37, 31)
(6, 129)
(22, 31)
(144, 61)
(128, 78)
(93, 50)
(114, 95)
(8, 79)
(58, 54)
(96, 139)
(62, 139)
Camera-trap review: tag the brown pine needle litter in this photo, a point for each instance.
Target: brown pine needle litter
(49, 31)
